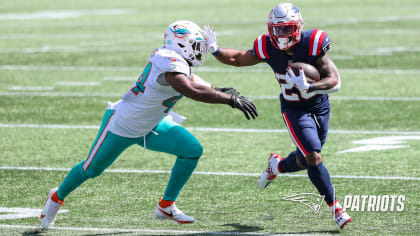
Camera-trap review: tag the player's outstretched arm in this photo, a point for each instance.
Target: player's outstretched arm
(330, 77)
(229, 56)
(236, 57)
(206, 94)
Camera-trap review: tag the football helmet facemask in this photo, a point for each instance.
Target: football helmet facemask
(187, 39)
(285, 25)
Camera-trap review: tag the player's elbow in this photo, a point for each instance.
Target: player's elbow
(337, 85)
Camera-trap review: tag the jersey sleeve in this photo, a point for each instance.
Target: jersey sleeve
(319, 43)
(171, 62)
(260, 46)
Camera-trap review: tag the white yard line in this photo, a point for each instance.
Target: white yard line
(128, 79)
(30, 88)
(257, 69)
(120, 78)
(152, 231)
(210, 173)
(62, 14)
(78, 83)
(210, 129)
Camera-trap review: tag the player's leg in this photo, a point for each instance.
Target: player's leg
(103, 153)
(309, 132)
(303, 130)
(175, 139)
(295, 161)
(322, 120)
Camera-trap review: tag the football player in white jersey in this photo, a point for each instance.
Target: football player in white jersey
(139, 118)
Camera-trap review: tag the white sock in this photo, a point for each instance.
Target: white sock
(334, 206)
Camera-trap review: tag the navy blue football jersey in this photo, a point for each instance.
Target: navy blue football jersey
(313, 44)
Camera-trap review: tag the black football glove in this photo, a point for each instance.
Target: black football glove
(244, 104)
(228, 91)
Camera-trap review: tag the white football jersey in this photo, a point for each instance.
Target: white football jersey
(151, 98)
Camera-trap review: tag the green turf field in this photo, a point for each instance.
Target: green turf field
(61, 61)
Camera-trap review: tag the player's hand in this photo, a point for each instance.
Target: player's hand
(211, 39)
(228, 90)
(244, 104)
(300, 80)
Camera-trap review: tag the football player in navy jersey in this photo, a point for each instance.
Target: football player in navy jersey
(305, 107)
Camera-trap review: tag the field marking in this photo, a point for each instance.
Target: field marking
(381, 19)
(256, 69)
(101, 47)
(11, 213)
(155, 231)
(212, 129)
(120, 79)
(157, 35)
(78, 83)
(321, 22)
(62, 14)
(30, 88)
(211, 173)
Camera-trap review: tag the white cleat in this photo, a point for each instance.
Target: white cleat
(341, 218)
(173, 213)
(51, 208)
(271, 172)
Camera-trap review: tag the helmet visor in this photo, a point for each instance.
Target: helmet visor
(283, 29)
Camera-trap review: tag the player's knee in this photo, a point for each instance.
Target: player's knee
(93, 172)
(313, 158)
(195, 151)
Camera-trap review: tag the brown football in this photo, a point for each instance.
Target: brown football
(311, 72)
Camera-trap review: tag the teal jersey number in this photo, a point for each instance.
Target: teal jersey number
(142, 79)
(170, 102)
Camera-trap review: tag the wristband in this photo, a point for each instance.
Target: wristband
(311, 88)
(217, 52)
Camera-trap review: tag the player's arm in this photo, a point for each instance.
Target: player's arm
(236, 57)
(201, 93)
(330, 77)
(229, 56)
(195, 91)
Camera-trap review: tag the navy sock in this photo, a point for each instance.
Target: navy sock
(321, 179)
(289, 164)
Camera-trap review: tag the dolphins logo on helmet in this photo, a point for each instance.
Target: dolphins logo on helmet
(180, 31)
(188, 40)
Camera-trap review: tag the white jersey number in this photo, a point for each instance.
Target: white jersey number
(290, 92)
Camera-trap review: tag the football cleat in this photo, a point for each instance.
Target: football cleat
(341, 218)
(52, 205)
(271, 172)
(173, 213)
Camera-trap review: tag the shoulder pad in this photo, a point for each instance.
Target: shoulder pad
(170, 61)
(319, 43)
(260, 46)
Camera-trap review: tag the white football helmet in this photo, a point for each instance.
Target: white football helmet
(285, 25)
(187, 39)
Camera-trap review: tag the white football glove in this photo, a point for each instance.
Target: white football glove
(299, 81)
(211, 39)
